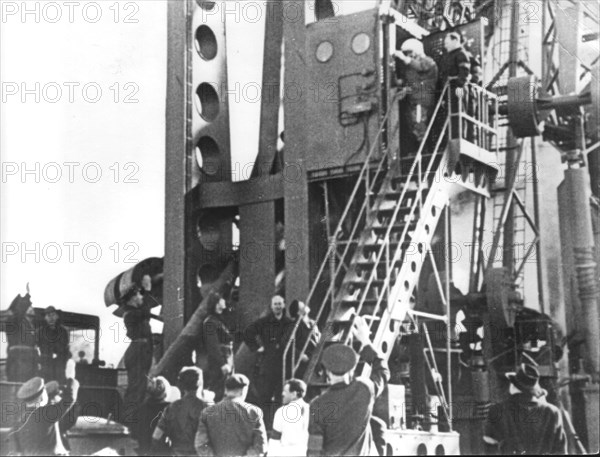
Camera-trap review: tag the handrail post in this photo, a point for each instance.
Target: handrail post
(460, 111)
(333, 250)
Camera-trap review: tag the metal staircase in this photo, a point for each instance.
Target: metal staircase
(375, 274)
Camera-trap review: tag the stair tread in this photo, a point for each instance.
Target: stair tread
(363, 281)
(396, 227)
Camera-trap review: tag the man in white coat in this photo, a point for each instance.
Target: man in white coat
(290, 426)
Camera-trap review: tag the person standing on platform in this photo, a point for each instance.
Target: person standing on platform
(525, 423)
(53, 341)
(138, 356)
(268, 336)
(23, 355)
(418, 75)
(456, 68)
(218, 342)
(340, 418)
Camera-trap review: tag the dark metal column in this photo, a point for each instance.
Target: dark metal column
(295, 177)
(176, 186)
(511, 165)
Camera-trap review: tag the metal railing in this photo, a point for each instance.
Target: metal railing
(486, 103)
(472, 116)
(332, 249)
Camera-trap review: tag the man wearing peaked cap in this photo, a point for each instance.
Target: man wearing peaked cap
(510, 428)
(38, 432)
(339, 359)
(340, 417)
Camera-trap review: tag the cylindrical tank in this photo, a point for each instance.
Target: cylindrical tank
(117, 286)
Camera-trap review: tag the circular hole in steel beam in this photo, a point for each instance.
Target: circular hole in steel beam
(206, 42)
(208, 6)
(208, 155)
(207, 102)
(207, 274)
(208, 232)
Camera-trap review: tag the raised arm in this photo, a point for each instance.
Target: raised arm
(380, 373)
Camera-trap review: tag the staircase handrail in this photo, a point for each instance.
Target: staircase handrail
(332, 246)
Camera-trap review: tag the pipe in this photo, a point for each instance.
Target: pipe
(577, 181)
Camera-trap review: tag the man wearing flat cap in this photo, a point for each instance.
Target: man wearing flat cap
(525, 423)
(232, 426)
(39, 430)
(340, 417)
(53, 340)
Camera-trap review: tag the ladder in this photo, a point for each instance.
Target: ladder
(377, 279)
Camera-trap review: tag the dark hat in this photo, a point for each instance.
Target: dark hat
(129, 293)
(31, 390)
(339, 359)
(50, 309)
(526, 379)
(236, 381)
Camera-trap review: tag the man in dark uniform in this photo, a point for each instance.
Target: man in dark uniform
(138, 357)
(418, 75)
(232, 426)
(218, 342)
(340, 418)
(456, 68)
(23, 356)
(53, 340)
(268, 336)
(525, 423)
(39, 431)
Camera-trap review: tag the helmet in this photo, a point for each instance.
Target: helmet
(413, 45)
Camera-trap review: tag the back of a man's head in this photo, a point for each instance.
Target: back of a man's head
(190, 379)
(236, 386)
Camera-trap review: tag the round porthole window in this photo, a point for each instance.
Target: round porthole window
(324, 51)
(361, 43)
